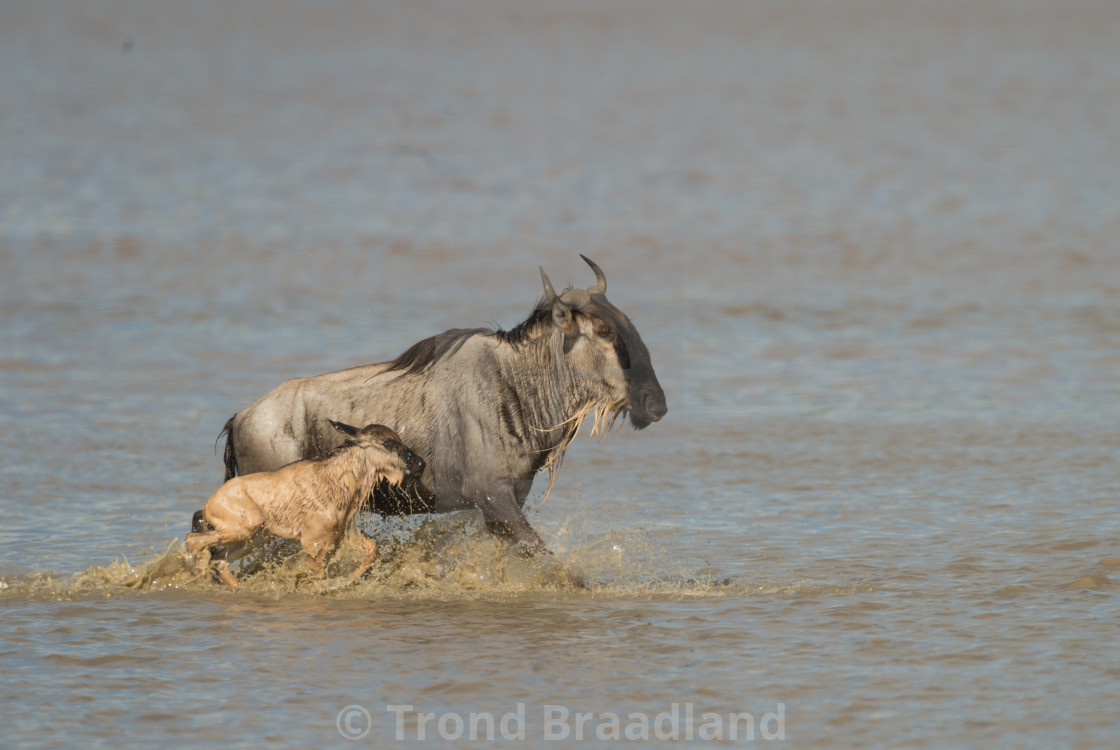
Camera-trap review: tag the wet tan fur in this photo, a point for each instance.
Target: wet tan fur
(311, 501)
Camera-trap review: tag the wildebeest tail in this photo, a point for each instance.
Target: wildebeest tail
(229, 455)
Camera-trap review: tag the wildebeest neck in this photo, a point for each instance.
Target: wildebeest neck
(646, 401)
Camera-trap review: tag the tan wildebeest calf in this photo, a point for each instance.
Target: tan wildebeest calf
(312, 501)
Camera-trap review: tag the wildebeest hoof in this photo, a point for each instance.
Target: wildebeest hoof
(198, 523)
(531, 548)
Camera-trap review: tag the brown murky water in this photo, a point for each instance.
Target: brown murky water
(872, 246)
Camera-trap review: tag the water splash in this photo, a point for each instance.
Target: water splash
(442, 558)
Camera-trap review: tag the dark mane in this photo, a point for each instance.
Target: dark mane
(519, 334)
(425, 353)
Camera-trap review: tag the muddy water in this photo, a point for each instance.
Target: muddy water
(872, 247)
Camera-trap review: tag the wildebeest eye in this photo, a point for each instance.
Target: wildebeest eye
(604, 331)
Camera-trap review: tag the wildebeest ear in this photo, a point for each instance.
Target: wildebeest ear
(563, 318)
(345, 429)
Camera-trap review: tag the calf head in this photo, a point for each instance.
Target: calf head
(395, 460)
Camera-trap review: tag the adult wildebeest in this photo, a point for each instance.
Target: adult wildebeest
(486, 409)
(312, 501)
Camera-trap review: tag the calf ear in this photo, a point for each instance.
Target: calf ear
(345, 429)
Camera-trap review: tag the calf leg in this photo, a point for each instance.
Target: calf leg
(318, 562)
(198, 544)
(371, 555)
(227, 576)
(235, 543)
(198, 541)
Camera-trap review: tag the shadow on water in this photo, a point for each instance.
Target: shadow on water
(442, 558)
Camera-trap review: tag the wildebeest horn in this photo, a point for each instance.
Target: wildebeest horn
(549, 292)
(600, 277)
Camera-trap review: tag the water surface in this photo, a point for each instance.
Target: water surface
(872, 247)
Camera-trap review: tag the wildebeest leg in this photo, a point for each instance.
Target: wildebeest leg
(371, 555)
(506, 520)
(521, 489)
